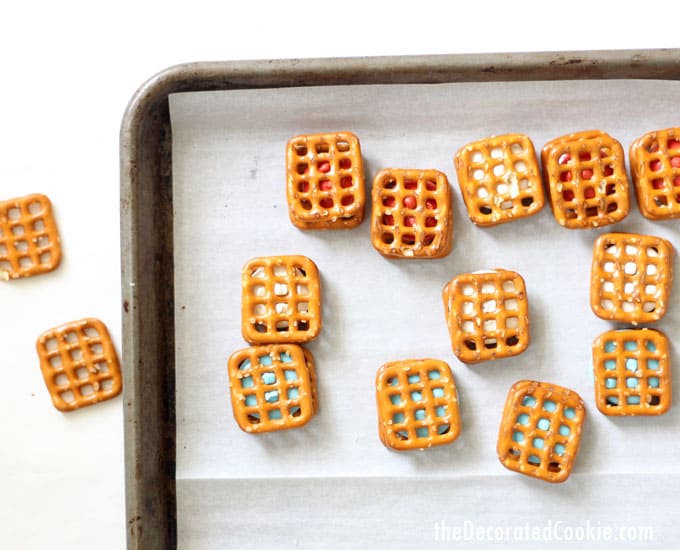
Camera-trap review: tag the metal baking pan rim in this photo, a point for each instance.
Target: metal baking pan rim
(146, 223)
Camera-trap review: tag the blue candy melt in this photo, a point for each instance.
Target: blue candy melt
(438, 392)
(609, 346)
(632, 382)
(434, 375)
(265, 360)
(247, 382)
(533, 459)
(269, 378)
(251, 400)
(398, 418)
(285, 357)
(523, 419)
(444, 428)
(440, 410)
(652, 364)
(420, 414)
(244, 365)
(395, 399)
(293, 393)
(413, 378)
(275, 414)
(271, 396)
(549, 406)
(528, 401)
(611, 400)
(538, 442)
(610, 383)
(416, 396)
(422, 432)
(631, 364)
(651, 346)
(560, 449)
(630, 345)
(517, 436)
(610, 364)
(543, 424)
(653, 382)
(569, 412)
(564, 430)
(633, 399)
(290, 375)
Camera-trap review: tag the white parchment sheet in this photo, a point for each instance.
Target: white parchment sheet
(333, 479)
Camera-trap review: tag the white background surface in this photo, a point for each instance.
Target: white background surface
(69, 69)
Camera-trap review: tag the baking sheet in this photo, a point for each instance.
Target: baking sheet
(230, 205)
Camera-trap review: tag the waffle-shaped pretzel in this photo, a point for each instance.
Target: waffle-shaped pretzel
(411, 215)
(586, 177)
(655, 166)
(325, 181)
(281, 300)
(79, 364)
(273, 387)
(487, 313)
(631, 277)
(417, 404)
(499, 179)
(29, 241)
(632, 372)
(540, 430)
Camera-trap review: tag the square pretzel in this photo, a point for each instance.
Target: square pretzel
(79, 364)
(417, 404)
(487, 313)
(655, 166)
(411, 215)
(281, 300)
(540, 430)
(499, 179)
(586, 177)
(29, 240)
(631, 277)
(325, 181)
(632, 372)
(273, 387)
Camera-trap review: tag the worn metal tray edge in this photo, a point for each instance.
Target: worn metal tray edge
(147, 238)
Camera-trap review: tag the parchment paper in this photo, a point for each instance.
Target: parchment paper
(230, 205)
